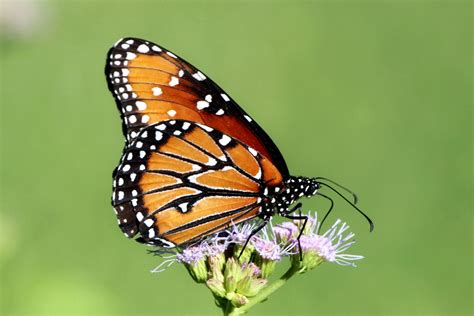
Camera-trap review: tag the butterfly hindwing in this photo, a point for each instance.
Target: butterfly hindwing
(181, 180)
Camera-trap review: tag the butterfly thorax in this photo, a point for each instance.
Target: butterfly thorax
(277, 200)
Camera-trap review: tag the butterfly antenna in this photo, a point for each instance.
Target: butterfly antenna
(328, 212)
(354, 196)
(352, 204)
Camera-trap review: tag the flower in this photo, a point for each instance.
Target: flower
(194, 259)
(329, 247)
(285, 231)
(269, 250)
(192, 254)
(238, 277)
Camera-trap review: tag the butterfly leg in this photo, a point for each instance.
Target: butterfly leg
(255, 231)
(299, 217)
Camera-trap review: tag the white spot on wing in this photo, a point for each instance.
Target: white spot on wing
(206, 128)
(225, 140)
(131, 56)
(211, 162)
(183, 207)
(225, 97)
(140, 105)
(151, 233)
(202, 105)
(171, 54)
(143, 48)
(199, 76)
(174, 81)
(186, 125)
(171, 112)
(126, 168)
(156, 91)
(253, 151)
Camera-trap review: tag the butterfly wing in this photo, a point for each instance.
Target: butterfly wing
(180, 180)
(151, 84)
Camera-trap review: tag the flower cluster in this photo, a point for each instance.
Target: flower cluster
(235, 264)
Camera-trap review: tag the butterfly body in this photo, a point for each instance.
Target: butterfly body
(194, 162)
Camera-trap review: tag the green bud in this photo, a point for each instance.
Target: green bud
(256, 286)
(266, 266)
(310, 261)
(217, 287)
(216, 265)
(198, 271)
(232, 274)
(246, 254)
(249, 286)
(238, 300)
(230, 283)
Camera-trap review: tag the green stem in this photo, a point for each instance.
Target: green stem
(229, 308)
(265, 293)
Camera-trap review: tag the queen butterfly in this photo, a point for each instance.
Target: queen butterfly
(194, 162)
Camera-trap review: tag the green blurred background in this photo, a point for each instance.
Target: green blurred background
(376, 95)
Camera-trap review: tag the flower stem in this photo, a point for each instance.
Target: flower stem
(265, 293)
(229, 309)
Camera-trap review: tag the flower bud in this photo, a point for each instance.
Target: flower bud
(267, 266)
(246, 254)
(250, 286)
(217, 287)
(238, 300)
(197, 270)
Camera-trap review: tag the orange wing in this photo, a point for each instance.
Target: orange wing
(179, 181)
(150, 84)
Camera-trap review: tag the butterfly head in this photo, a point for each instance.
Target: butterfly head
(302, 186)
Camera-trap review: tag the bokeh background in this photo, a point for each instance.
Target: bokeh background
(376, 95)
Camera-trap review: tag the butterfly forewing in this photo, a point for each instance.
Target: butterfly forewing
(151, 84)
(181, 180)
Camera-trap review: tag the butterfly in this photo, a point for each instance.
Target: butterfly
(194, 162)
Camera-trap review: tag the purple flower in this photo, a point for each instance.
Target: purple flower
(330, 245)
(239, 234)
(269, 247)
(192, 254)
(254, 268)
(286, 232)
